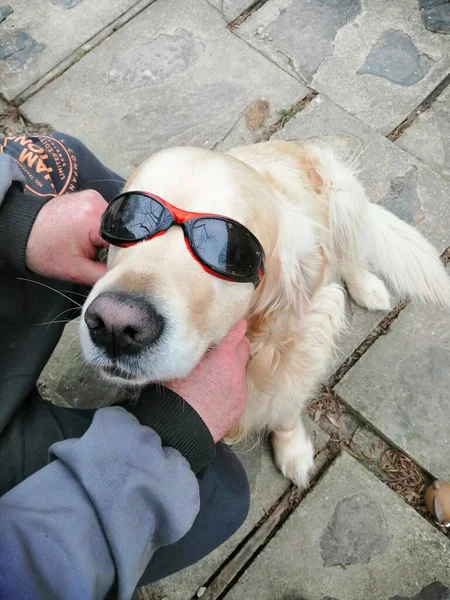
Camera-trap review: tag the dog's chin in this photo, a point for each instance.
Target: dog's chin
(115, 374)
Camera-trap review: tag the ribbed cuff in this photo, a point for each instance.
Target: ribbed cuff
(18, 212)
(177, 424)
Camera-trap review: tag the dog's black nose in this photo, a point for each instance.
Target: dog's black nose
(122, 324)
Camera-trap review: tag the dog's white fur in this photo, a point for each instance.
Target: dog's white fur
(318, 230)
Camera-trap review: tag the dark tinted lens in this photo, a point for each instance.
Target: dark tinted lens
(226, 247)
(133, 217)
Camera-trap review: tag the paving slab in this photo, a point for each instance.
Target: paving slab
(372, 57)
(352, 538)
(266, 485)
(172, 77)
(37, 36)
(428, 138)
(391, 177)
(401, 386)
(230, 9)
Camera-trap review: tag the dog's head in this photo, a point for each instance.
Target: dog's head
(156, 311)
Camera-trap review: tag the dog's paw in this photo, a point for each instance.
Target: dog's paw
(294, 456)
(368, 290)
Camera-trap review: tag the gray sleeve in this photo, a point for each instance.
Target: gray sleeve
(9, 172)
(96, 515)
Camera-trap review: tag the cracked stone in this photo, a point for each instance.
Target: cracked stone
(305, 30)
(164, 58)
(231, 9)
(374, 99)
(402, 198)
(292, 566)
(435, 15)
(169, 78)
(428, 138)
(434, 591)
(5, 11)
(17, 49)
(63, 28)
(356, 532)
(66, 3)
(430, 366)
(401, 386)
(397, 59)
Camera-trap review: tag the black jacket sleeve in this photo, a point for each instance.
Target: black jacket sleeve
(176, 423)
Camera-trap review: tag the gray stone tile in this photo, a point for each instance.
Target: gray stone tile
(171, 77)
(391, 177)
(266, 485)
(351, 538)
(375, 59)
(428, 138)
(401, 386)
(36, 36)
(231, 9)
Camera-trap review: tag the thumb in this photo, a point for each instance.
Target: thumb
(88, 272)
(96, 239)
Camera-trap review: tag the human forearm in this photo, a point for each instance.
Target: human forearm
(97, 513)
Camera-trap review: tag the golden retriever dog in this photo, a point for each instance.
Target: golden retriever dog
(318, 230)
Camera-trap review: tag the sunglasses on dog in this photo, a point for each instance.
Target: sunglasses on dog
(222, 246)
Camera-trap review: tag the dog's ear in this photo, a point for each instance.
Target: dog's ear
(294, 272)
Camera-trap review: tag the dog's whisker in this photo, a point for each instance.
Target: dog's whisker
(49, 287)
(54, 322)
(64, 311)
(76, 293)
(122, 181)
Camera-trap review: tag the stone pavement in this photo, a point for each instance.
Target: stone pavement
(132, 76)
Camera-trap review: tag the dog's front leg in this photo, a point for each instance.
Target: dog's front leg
(294, 452)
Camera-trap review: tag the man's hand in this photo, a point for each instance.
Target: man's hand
(217, 388)
(65, 236)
